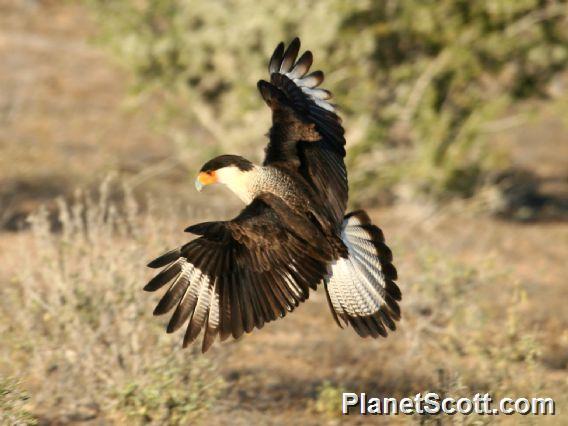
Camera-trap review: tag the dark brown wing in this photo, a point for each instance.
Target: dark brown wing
(242, 273)
(306, 131)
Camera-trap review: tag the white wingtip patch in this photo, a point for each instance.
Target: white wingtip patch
(308, 84)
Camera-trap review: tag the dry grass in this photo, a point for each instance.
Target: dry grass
(76, 325)
(12, 403)
(78, 329)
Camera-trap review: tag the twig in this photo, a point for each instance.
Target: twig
(152, 171)
(527, 21)
(422, 84)
(505, 123)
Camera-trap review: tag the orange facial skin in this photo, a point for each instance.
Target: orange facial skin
(205, 178)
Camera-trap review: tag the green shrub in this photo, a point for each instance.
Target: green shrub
(421, 83)
(329, 399)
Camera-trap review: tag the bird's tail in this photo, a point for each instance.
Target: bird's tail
(360, 288)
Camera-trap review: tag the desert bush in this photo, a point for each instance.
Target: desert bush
(421, 83)
(78, 328)
(328, 399)
(77, 331)
(468, 327)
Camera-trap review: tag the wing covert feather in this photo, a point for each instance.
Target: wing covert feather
(240, 274)
(306, 130)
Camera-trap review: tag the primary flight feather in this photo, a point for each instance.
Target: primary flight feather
(292, 236)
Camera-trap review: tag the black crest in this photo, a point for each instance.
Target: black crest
(226, 161)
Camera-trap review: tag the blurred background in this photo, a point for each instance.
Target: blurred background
(456, 115)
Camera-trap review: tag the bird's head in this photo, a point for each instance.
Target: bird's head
(231, 170)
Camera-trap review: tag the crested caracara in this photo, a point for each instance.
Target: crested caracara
(293, 234)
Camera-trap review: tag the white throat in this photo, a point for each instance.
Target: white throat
(238, 181)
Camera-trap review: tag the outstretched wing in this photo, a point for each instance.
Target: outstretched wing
(306, 131)
(242, 273)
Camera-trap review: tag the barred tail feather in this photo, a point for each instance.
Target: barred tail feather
(361, 288)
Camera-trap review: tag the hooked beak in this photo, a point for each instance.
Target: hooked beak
(205, 178)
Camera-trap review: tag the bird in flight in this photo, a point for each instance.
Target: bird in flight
(293, 235)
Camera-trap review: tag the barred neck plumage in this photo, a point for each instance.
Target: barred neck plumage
(249, 184)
